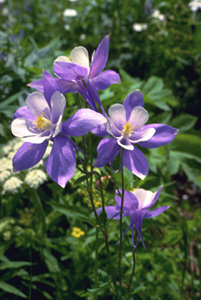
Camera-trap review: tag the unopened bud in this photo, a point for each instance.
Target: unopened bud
(104, 182)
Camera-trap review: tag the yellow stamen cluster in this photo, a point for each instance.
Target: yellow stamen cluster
(127, 129)
(42, 122)
(70, 58)
(132, 190)
(77, 232)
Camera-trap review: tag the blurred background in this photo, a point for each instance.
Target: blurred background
(47, 238)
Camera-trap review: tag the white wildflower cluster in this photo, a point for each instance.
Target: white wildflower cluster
(11, 183)
(157, 15)
(140, 27)
(195, 5)
(35, 178)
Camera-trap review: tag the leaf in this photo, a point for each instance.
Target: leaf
(189, 144)
(69, 212)
(184, 122)
(8, 288)
(14, 264)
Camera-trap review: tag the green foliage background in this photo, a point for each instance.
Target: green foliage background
(38, 256)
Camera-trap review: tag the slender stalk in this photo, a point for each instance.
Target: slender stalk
(122, 203)
(96, 263)
(133, 270)
(30, 283)
(39, 205)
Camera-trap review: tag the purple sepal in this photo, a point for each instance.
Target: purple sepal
(100, 131)
(107, 151)
(155, 212)
(60, 165)
(106, 79)
(100, 57)
(83, 121)
(164, 135)
(69, 71)
(50, 86)
(28, 155)
(24, 113)
(136, 162)
(38, 85)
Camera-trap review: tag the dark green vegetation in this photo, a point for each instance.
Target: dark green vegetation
(39, 259)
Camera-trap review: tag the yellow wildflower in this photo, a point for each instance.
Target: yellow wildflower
(77, 232)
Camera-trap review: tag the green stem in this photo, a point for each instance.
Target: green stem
(31, 270)
(96, 263)
(133, 270)
(122, 203)
(41, 211)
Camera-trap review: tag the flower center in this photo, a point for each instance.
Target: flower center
(127, 130)
(42, 122)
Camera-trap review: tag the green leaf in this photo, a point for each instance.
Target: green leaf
(189, 144)
(14, 264)
(184, 122)
(8, 288)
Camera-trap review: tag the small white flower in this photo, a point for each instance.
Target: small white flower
(12, 185)
(69, 12)
(5, 164)
(5, 11)
(6, 149)
(67, 27)
(35, 178)
(156, 14)
(4, 175)
(195, 5)
(140, 26)
(83, 37)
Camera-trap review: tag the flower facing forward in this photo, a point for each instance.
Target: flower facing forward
(126, 125)
(78, 76)
(39, 122)
(136, 206)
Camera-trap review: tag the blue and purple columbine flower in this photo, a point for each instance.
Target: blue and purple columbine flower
(126, 125)
(77, 76)
(39, 122)
(136, 206)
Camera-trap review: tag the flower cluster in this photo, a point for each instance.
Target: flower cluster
(40, 123)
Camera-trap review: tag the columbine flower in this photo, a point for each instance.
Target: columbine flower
(77, 76)
(195, 5)
(136, 206)
(127, 127)
(140, 27)
(41, 121)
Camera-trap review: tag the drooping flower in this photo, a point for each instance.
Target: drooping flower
(77, 76)
(127, 127)
(136, 206)
(39, 122)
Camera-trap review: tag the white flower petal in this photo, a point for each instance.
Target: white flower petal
(80, 56)
(142, 136)
(144, 197)
(139, 116)
(37, 104)
(38, 139)
(117, 114)
(62, 59)
(19, 127)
